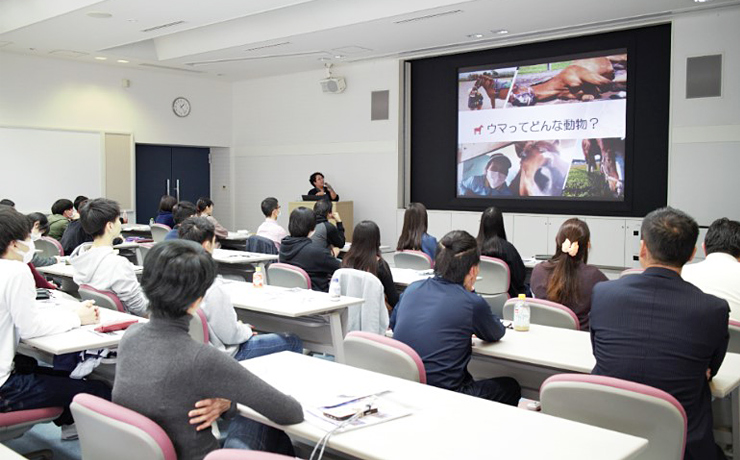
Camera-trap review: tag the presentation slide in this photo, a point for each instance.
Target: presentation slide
(548, 130)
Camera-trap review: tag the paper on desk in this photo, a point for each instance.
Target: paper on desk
(387, 410)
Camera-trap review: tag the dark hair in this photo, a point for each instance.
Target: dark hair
(500, 158)
(301, 222)
(268, 205)
(7, 202)
(166, 203)
(40, 217)
(198, 229)
(723, 236)
(322, 208)
(415, 223)
(457, 254)
(563, 285)
(176, 273)
(79, 201)
(61, 205)
(312, 179)
(365, 250)
(491, 232)
(13, 226)
(670, 236)
(182, 211)
(202, 203)
(95, 215)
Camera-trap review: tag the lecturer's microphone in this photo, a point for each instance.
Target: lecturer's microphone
(327, 185)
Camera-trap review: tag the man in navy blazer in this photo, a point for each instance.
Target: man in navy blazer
(659, 330)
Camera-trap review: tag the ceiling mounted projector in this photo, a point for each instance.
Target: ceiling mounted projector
(332, 85)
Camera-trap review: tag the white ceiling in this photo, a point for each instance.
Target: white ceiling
(239, 39)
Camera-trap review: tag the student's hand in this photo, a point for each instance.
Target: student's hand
(709, 374)
(88, 312)
(208, 411)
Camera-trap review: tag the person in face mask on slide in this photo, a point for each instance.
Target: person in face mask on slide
(492, 182)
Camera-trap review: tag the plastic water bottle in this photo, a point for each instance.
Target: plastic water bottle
(521, 314)
(258, 278)
(335, 289)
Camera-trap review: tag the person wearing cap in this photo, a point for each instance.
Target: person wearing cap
(492, 182)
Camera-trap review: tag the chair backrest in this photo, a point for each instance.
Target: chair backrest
(372, 314)
(13, 424)
(104, 299)
(114, 432)
(49, 247)
(631, 271)
(382, 354)
(546, 313)
(159, 231)
(261, 245)
(412, 259)
(241, 454)
(286, 275)
(199, 326)
(622, 406)
(734, 329)
(141, 251)
(495, 276)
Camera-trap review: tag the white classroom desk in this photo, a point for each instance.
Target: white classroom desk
(290, 304)
(406, 276)
(532, 356)
(442, 425)
(6, 453)
(233, 257)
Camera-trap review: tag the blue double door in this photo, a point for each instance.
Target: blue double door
(183, 172)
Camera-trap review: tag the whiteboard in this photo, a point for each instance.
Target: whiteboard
(40, 166)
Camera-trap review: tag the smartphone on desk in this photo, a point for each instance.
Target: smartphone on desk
(346, 412)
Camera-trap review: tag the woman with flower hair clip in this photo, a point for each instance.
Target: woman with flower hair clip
(567, 278)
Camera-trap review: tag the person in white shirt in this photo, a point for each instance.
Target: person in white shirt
(23, 384)
(270, 229)
(225, 332)
(719, 273)
(99, 265)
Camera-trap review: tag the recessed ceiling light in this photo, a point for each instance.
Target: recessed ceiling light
(475, 36)
(99, 15)
(700, 1)
(338, 56)
(324, 59)
(101, 58)
(500, 32)
(122, 61)
(132, 20)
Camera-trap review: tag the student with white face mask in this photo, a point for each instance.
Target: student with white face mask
(25, 387)
(41, 228)
(270, 229)
(493, 180)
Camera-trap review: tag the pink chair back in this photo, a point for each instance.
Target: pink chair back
(105, 299)
(239, 454)
(49, 247)
(416, 260)
(382, 354)
(199, 327)
(286, 275)
(631, 271)
(734, 329)
(546, 313)
(159, 231)
(114, 432)
(622, 406)
(13, 424)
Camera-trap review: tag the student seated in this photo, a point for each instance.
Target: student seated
(164, 217)
(61, 213)
(165, 375)
(492, 243)
(414, 234)
(437, 317)
(224, 330)
(299, 250)
(26, 386)
(322, 188)
(567, 278)
(98, 265)
(364, 254)
(659, 330)
(40, 228)
(326, 234)
(204, 205)
(180, 212)
(75, 235)
(719, 273)
(270, 229)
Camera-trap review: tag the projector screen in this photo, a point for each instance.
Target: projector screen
(553, 129)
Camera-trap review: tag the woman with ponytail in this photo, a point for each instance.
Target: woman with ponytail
(567, 278)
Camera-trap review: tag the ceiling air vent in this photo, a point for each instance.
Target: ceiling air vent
(144, 64)
(163, 26)
(274, 45)
(428, 16)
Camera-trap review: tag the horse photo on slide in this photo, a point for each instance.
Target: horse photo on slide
(600, 172)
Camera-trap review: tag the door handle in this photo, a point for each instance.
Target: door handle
(177, 189)
(167, 192)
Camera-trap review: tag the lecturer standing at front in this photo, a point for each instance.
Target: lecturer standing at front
(321, 188)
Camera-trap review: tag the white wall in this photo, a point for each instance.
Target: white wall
(285, 128)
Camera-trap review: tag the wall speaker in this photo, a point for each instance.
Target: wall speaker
(333, 85)
(704, 76)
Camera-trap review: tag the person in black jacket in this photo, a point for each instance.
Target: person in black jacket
(75, 235)
(299, 250)
(326, 234)
(492, 243)
(322, 188)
